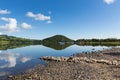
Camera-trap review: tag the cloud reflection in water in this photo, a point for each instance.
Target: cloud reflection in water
(11, 59)
(25, 59)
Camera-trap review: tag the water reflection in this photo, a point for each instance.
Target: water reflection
(14, 61)
(24, 59)
(58, 47)
(3, 73)
(10, 59)
(12, 46)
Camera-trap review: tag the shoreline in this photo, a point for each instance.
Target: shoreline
(98, 65)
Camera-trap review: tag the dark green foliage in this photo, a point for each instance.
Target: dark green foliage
(57, 46)
(12, 46)
(10, 42)
(56, 39)
(96, 42)
(57, 42)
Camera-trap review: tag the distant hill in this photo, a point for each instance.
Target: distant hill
(97, 42)
(57, 42)
(4, 39)
(57, 38)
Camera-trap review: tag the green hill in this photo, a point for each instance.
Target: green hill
(57, 38)
(5, 40)
(57, 42)
(97, 42)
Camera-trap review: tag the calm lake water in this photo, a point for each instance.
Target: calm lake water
(14, 61)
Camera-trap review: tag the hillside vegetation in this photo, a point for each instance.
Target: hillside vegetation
(5, 40)
(57, 42)
(57, 38)
(104, 42)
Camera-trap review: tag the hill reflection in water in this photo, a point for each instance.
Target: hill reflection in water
(55, 46)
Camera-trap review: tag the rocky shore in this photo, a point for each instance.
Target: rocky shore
(99, 65)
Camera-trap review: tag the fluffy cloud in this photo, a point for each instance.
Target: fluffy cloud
(39, 16)
(5, 11)
(25, 25)
(109, 1)
(49, 22)
(0, 33)
(11, 26)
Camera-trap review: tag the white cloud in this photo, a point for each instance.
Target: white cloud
(109, 1)
(49, 22)
(39, 16)
(26, 26)
(11, 26)
(5, 11)
(0, 33)
(25, 59)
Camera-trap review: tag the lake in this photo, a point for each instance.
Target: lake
(16, 60)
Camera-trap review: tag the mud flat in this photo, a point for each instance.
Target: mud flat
(100, 65)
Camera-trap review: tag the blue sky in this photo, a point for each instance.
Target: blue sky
(38, 19)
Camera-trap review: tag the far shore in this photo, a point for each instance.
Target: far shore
(96, 65)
